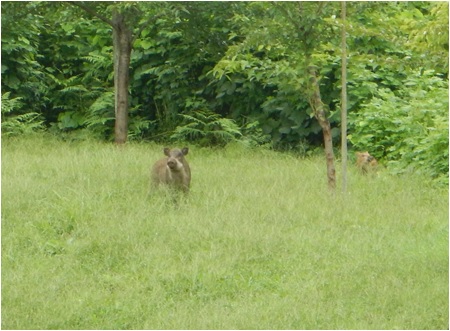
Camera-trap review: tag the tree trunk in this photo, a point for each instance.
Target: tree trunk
(319, 112)
(122, 53)
(122, 41)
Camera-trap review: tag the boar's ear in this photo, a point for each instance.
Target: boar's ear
(166, 151)
(185, 150)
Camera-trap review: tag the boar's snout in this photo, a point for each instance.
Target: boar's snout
(172, 163)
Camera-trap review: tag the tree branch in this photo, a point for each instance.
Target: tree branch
(91, 11)
(287, 14)
(321, 6)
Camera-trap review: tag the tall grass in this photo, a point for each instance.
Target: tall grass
(259, 243)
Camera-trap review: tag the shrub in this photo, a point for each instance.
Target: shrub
(205, 127)
(409, 128)
(18, 124)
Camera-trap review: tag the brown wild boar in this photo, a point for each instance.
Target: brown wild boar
(366, 162)
(173, 170)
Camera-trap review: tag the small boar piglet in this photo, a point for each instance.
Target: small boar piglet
(366, 162)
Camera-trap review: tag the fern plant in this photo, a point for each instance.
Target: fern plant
(99, 117)
(18, 124)
(206, 128)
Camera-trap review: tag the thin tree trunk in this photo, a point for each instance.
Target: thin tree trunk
(319, 112)
(122, 41)
(122, 53)
(344, 100)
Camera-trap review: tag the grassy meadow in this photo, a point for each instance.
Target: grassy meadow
(259, 243)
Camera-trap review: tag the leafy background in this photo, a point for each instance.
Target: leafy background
(214, 72)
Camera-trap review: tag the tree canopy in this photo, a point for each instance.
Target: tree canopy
(215, 72)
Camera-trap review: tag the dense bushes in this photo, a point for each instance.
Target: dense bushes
(18, 124)
(407, 129)
(214, 72)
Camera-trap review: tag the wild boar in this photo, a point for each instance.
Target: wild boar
(173, 170)
(366, 162)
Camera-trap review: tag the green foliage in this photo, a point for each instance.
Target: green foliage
(171, 57)
(18, 124)
(100, 118)
(254, 136)
(139, 126)
(22, 73)
(243, 61)
(46, 69)
(205, 127)
(408, 129)
(428, 34)
(268, 68)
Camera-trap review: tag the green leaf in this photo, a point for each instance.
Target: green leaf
(285, 130)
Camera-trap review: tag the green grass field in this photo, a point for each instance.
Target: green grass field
(260, 243)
